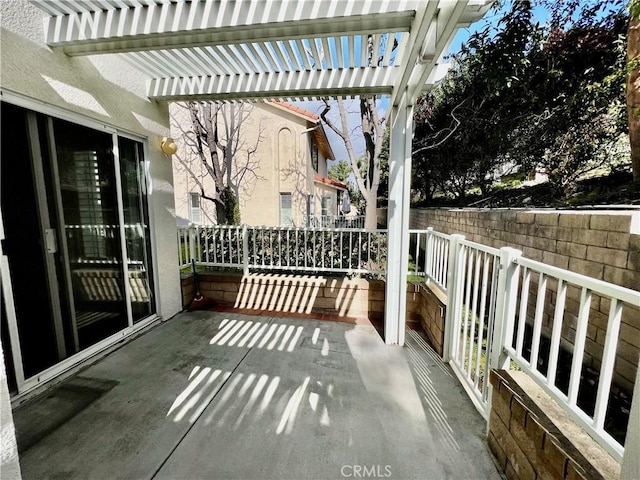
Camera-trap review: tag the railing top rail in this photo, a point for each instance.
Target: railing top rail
(291, 229)
(320, 229)
(432, 232)
(624, 294)
(481, 247)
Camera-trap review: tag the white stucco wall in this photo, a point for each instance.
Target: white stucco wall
(104, 89)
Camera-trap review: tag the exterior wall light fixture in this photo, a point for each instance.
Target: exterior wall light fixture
(168, 146)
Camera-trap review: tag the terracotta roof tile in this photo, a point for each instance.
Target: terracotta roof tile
(301, 111)
(329, 181)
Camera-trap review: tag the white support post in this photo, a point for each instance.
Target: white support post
(454, 278)
(245, 250)
(631, 458)
(507, 296)
(506, 302)
(398, 224)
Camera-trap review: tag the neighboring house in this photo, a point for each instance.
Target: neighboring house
(288, 180)
(87, 221)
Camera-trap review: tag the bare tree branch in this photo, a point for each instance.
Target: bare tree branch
(455, 123)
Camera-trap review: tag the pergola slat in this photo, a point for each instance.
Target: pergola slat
(267, 85)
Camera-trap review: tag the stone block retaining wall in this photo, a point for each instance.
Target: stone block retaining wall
(532, 438)
(306, 295)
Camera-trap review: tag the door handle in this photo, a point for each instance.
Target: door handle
(50, 240)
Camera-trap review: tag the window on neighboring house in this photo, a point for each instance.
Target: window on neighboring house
(314, 154)
(325, 204)
(194, 204)
(286, 210)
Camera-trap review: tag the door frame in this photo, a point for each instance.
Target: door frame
(10, 310)
(27, 385)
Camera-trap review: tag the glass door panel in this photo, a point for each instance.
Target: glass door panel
(42, 336)
(136, 223)
(90, 209)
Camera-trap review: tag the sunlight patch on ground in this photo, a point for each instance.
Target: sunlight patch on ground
(428, 391)
(273, 336)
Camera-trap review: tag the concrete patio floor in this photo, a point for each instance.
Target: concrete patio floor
(224, 395)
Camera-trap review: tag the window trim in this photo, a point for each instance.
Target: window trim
(193, 195)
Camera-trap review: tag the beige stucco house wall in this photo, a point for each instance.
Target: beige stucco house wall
(103, 89)
(102, 93)
(281, 166)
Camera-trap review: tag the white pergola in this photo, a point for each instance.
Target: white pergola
(254, 50)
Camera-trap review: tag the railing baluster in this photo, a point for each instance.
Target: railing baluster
(608, 363)
(206, 244)
(481, 321)
(467, 302)
(459, 301)
(491, 320)
(430, 256)
(350, 251)
(262, 246)
(192, 243)
(522, 318)
(341, 250)
(359, 250)
(578, 347)
(416, 260)
(554, 347)
(254, 259)
(537, 320)
(474, 305)
(245, 250)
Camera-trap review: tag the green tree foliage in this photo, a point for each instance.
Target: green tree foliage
(340, 171)
(534, 97)
(633, 85)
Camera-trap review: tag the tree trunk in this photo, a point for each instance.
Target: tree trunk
(633, 88)
(370, 212)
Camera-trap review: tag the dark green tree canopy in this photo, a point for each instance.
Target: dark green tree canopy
(523, 96)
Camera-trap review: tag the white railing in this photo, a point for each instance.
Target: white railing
(430, 255)
(333, 221)
(472, 298)
(497, 316)
(338, 250)
(539, 355)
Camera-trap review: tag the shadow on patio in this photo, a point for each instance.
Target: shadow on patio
(224, 395)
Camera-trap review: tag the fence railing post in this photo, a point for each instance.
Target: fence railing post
(453, 280)
(429, 254)
(506, 303)
(192, 243)
(245, 250)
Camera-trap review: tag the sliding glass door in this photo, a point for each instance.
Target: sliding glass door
(136, 223)
(76, 238)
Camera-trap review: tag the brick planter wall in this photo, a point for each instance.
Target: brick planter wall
(601, 244)
(431, 313)
(307, 295)
(534, 439)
